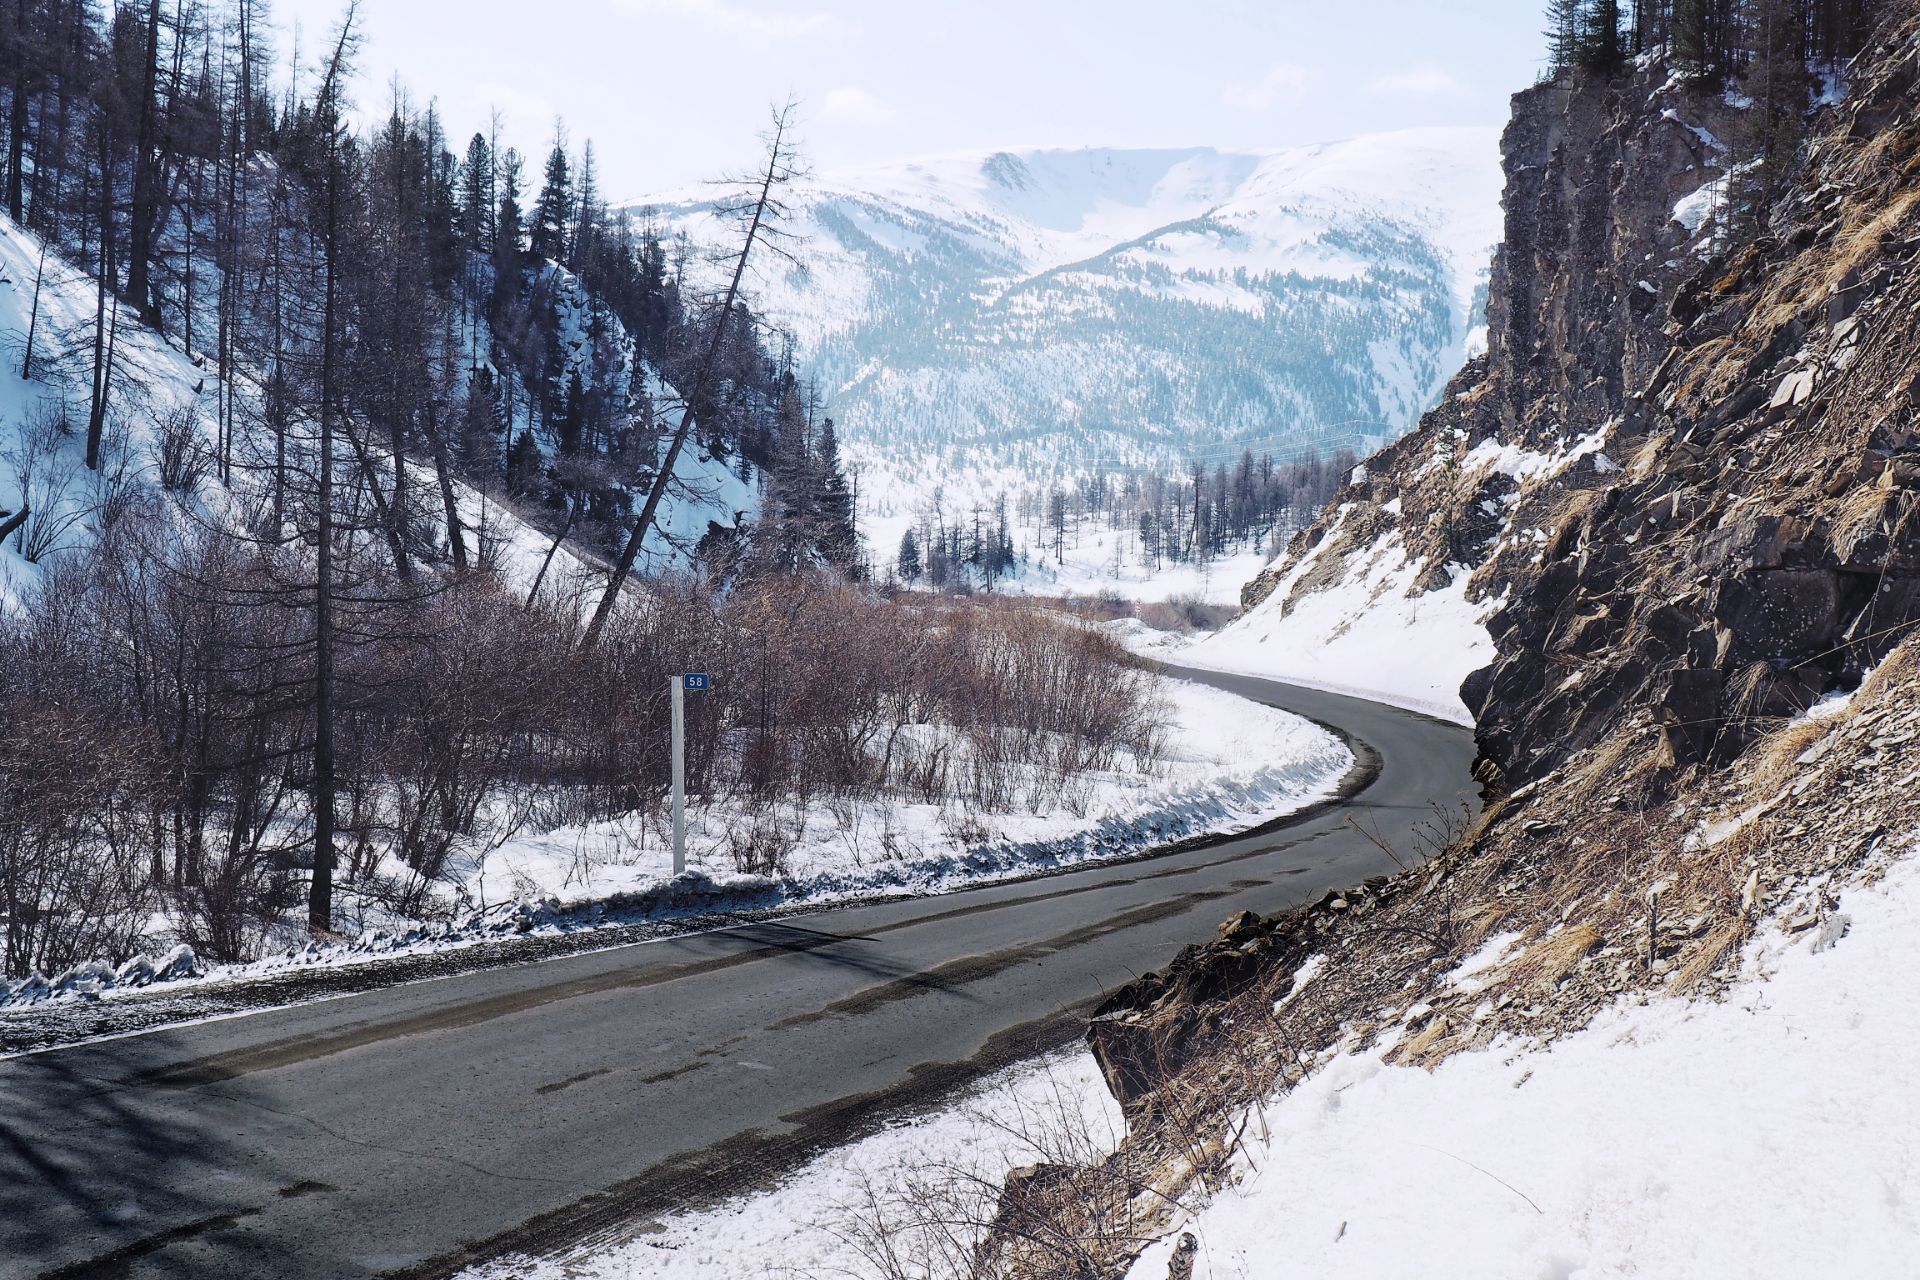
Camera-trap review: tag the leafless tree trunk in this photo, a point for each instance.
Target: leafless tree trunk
(325, 782)
(761, 216)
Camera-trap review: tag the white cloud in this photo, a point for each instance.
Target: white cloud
(753, 19)
(849, 104)
(1423, 79)
(1284, 82)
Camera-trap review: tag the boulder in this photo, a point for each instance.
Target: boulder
(1756, 542)
(1780, 613)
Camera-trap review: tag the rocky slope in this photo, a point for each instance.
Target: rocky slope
(1681, 489)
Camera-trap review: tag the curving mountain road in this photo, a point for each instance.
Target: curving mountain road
(406, 1131)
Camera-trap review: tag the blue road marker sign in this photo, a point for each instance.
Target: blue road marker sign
(697, 681)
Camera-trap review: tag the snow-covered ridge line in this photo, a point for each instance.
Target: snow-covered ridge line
(986, 321)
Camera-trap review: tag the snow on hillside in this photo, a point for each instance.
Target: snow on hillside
(988, 321)
(1762, 1135)
(43, 419)
(1369, 634)
(43, 423)
(1357, 620)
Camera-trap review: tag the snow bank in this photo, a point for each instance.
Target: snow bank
(1230, 764)
(1770, 1134)
(1370, 635)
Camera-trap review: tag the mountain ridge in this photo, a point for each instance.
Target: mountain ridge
(998, 316)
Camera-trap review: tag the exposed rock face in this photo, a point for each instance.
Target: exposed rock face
(1756, 551)
(1713, 518)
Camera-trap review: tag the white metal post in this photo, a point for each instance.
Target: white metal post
(677, 689)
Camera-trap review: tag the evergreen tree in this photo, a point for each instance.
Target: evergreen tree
(839, 541)
(590, 215)
(476, 196)
(1563, 33)
(909, 563)
(507, 240)
(553, 212)
(1602, 48)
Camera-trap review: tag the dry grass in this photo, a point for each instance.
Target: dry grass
(1900, 667)
(1547, 962)
(1419, 1050)
(1865, 510)
(1710, 954)
(1774, 759)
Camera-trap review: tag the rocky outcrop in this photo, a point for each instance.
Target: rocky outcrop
(1688, 474)
(1757, 549)
(1684, 478)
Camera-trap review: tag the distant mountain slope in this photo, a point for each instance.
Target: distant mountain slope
(1042, 312)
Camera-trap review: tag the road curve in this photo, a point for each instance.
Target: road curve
(406, 1131)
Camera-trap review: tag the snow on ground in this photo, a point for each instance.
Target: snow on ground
(44, 466)
(1366, 636)
(820, 1222)
(1769, 1134)
(1763, 1134)
(1229, 765)
(1092, 570)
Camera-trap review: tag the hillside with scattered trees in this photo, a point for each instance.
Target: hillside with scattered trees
(362, 489)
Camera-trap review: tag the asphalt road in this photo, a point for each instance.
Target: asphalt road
(407, 1130)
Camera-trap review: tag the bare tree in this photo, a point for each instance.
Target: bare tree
(761, 210)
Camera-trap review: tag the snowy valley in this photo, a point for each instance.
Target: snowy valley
(1001, 323)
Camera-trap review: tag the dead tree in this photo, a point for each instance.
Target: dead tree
(761, 210)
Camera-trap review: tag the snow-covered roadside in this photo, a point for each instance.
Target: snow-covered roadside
(840, 1212)
(1230, 764)
(1767, 1134)
(1764, 1134)
(1366, 637)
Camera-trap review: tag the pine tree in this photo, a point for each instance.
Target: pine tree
(909, 563)
(553, 211)
(476, 196)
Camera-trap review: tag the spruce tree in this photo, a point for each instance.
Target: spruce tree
(1601, 46)
(553, 211)
(476, 196)
(839, 542)
(910, 567)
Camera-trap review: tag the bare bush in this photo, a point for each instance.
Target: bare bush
(181, 456)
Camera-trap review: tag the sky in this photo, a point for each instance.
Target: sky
(674, 92)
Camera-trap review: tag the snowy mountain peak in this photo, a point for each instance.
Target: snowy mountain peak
(997, 318)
